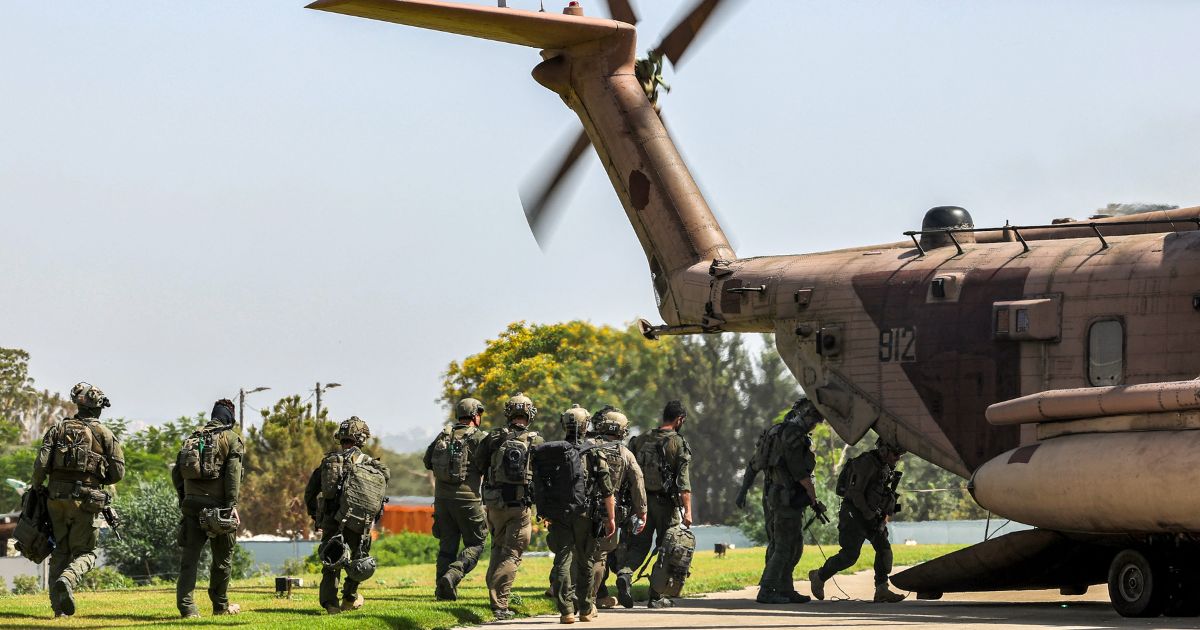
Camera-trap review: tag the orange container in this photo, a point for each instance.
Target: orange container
(407, 518)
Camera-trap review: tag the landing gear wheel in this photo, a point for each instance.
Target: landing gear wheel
(1137, 586)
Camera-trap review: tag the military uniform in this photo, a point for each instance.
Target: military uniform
(508, 513)
(78, 456)
(631, 492)
(869, 500)
(573, 542)
(323, 513)
(457, 505)
(791, 462)
(196, 495)
(662, 495)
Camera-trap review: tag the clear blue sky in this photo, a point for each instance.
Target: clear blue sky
(201, 196)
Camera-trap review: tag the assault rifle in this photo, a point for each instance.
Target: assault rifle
(113, 519)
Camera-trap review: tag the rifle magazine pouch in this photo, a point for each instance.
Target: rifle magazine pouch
(92, 500)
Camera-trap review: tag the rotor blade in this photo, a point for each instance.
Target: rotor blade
(622, 11)
(677, 41)
(539, 207)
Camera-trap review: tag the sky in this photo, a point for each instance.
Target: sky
(197, 197)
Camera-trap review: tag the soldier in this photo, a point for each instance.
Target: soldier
(457, 505)
(868, 484)
(572, 537)
(665, 458)
(785, 454)
(611, 426)
(503, 460)
(208, 479)
(343, 546)
(79, 455)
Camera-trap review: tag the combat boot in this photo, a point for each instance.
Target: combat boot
(447, 586)
(190, 613)
(589, 615)
(230, 609)
(333, 609)
(816, 584)
(624, 584)
(770, 596)
(606, 602)
(502, 614)
(566, 618)
(352, 603)
(884, 595)
(797, 598)
(62, 598)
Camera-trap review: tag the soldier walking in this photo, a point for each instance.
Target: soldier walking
(665, 458)
(785, 454)
(344, 497)
(457, 504)
(610, 426)
(572, 536)
(208, 479)
(868, 485)
(79, 456)
(503, 460)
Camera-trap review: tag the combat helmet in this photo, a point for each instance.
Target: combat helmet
(362, 569)
(574, 420)
(218, 521)
(466, 408)
(334, 553)
(353, 430)
(519, 405)
(610, 421)
(804, 413)
(90, 396)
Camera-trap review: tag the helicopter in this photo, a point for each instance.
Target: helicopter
(1048, 364)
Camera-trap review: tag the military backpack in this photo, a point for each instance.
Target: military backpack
(651, 455)
(562, 478)
(354, 488)
(202, 455)
(76, 448)
(34, 534)
(510, 460)
(674, 562)
(451, 454)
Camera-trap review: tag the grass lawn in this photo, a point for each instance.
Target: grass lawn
(397, 597)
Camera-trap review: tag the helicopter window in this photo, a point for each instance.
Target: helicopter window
(1106, 352)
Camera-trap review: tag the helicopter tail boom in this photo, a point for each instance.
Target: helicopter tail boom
(589, 63)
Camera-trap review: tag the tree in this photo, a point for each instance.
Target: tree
(280, 457)
(25, 413)
(560, 364)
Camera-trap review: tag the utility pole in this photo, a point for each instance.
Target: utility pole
(242, 404)
(319, 390)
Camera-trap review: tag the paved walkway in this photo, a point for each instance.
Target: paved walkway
(1027, 610)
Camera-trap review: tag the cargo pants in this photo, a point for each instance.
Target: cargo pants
(455, 520)
(330, 578)
(661, 515)
(191, 545)
(76, 536)
(786, 545)
(571, 580)
(853, 530)
(511, 529)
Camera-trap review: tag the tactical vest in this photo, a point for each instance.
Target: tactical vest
(452, 454)
(352, 489)
(78, 455)
(650, 450)
(510, 460)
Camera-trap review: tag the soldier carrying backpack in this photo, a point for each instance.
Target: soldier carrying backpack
(573, 489)
(457, 504)
(345, 496)
(665, 459)
(611, 426)
(503, 460)
(208, 479)
(79, 456)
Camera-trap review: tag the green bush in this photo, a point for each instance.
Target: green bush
(104, 578)
(25, 585)
(301, 566)
(397, 550)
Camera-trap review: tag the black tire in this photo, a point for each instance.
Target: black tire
(1137, 586)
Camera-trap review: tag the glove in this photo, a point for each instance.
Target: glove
(740, 501)
(820, 508)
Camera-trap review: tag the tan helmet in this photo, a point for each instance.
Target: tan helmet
(466, 408)
(519, 405)
(574, 420)
(90, 396)
(610, 421)
(354, 430)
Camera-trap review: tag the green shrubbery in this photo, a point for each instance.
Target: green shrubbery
(104, 578)
(404, 548)
(25, 585)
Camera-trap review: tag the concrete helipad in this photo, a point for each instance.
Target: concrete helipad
(982, 611)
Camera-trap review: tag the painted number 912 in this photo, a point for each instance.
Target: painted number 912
(898, 345)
